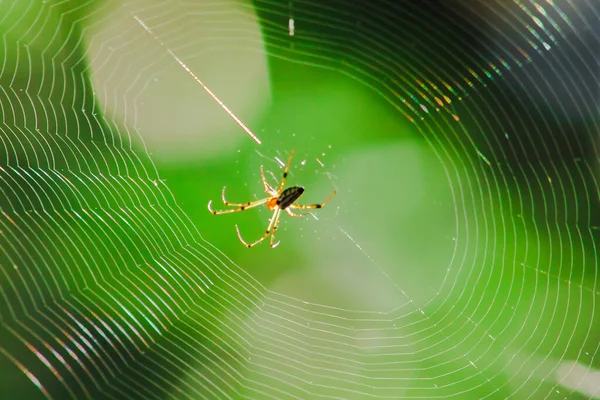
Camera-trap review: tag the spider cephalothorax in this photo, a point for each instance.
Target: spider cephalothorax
(278, 200)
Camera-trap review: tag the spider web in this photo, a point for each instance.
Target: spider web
(458, 259)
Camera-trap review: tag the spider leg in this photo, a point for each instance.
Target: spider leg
(301, 215)
(238, 207)
(301, 207)
(268, 188)
(228, 204)
(285, 173)
(272, 223)
(275, 225)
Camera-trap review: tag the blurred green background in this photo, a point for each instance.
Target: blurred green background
(457, 260)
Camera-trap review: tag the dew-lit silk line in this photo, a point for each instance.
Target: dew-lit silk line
(210, 92)
(30, 375)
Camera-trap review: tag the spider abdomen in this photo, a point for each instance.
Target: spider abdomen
(289, 196)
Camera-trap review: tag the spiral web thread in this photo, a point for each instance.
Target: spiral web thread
(110, 292)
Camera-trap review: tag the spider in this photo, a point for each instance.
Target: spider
(277, 200)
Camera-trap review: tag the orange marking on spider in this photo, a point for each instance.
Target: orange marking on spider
(278, 199)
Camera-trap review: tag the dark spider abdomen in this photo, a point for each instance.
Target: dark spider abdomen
(288, 196)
